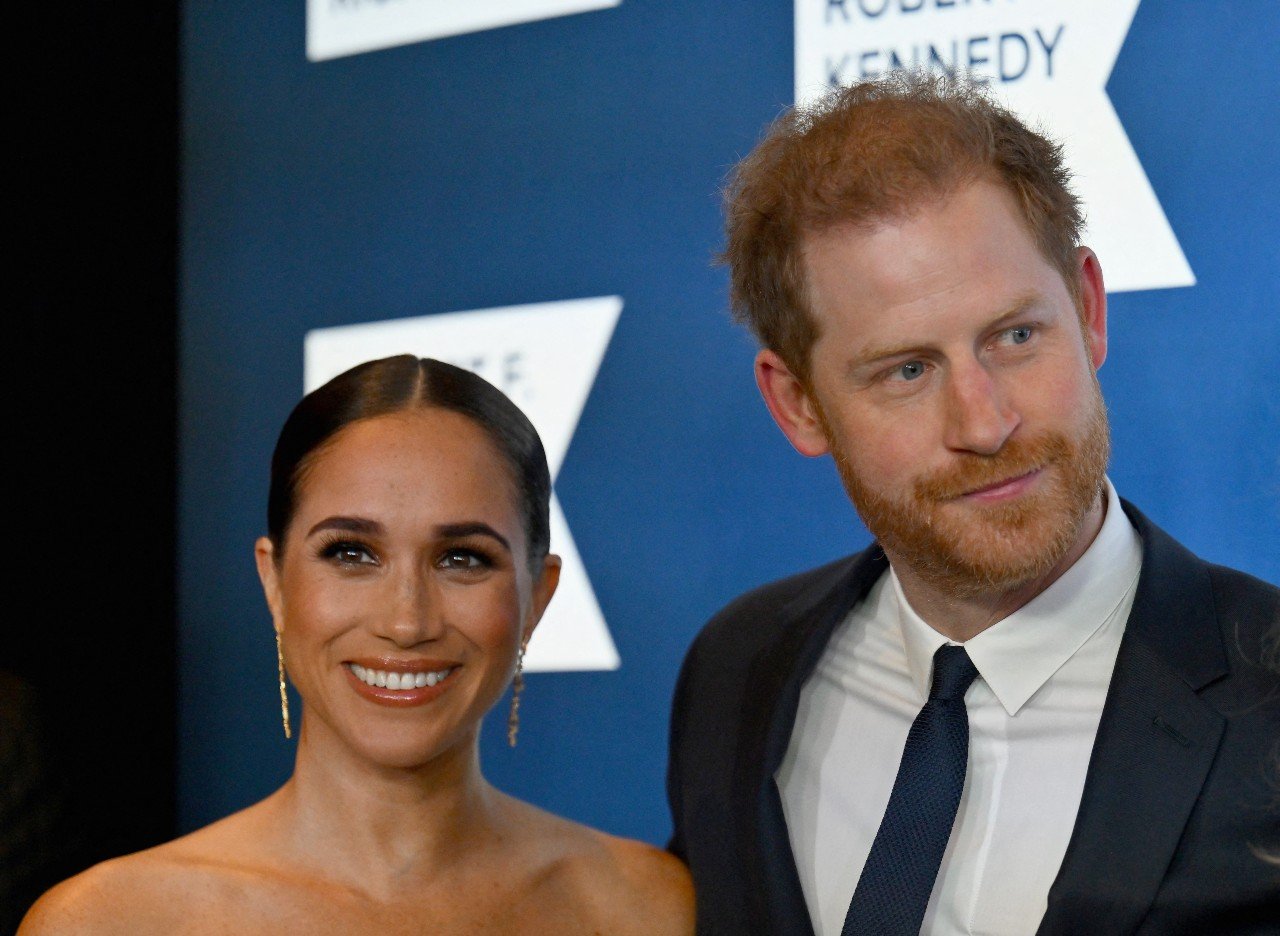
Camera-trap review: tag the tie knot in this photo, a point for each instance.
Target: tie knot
(953, 672)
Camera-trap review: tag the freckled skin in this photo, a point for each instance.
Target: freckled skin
(411, 597)
(951, 356)
(387, 825)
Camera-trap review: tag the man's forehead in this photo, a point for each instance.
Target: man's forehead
(915, 281)
(975, 225)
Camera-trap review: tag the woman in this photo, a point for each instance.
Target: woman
(406, 566)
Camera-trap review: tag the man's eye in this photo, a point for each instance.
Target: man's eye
(910, 370)
(1020, 335)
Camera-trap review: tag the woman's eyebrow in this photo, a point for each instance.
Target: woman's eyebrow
(472, 528)
(349, 525)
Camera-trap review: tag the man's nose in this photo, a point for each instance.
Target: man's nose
(980, 417)
(416, 612)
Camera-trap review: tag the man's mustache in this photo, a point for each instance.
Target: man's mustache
(973, 472)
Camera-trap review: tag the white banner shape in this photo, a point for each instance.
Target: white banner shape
(347, 27)
(545, 356)
(1049, 61)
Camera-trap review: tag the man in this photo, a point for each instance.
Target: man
(1025, 709)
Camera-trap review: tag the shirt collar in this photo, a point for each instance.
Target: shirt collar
(1017, 655)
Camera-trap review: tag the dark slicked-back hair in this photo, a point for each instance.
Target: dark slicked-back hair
(873, 151)
(400, 384)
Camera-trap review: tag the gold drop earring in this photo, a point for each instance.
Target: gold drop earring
(284, 696)
(517, 687)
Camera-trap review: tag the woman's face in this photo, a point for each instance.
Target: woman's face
(405, 565)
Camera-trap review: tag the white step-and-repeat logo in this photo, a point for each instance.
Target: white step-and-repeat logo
(1049, 60)
(545, 357)
(347, 27)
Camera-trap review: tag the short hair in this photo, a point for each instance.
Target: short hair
(875, 150)
(400, 384)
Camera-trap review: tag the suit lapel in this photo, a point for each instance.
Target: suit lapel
(777, 675)
(1156, 742)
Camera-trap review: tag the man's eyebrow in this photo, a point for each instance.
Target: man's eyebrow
(349, 525)
(472, 528)
(870, 356)
(1021, 307)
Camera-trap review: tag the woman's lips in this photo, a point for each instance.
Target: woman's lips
(400, 683)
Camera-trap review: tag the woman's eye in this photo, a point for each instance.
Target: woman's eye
(1020, 335)
(349, 554)
(463, 559)
(910, 370)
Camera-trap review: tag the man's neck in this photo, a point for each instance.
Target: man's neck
(963, 617)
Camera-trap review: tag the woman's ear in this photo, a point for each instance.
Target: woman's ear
(264, 554)
(544, 586)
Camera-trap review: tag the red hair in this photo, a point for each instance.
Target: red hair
(875, 150)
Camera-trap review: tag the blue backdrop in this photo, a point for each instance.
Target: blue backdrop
(582, 156)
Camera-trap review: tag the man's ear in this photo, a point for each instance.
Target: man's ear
(264, 554)
(544, 586)
(1093, 305)
(790, 405)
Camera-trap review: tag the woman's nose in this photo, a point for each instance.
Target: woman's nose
(416, 614)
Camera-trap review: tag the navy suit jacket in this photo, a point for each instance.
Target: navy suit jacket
(1180, 793)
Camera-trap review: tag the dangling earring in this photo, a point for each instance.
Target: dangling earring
(284, 696)
(517, 687)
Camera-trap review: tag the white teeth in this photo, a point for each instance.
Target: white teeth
(397, 681)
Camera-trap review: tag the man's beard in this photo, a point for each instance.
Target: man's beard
(974, 548)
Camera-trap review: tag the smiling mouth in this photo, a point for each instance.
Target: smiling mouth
(398, 681)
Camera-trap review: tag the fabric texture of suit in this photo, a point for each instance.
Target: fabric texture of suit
(1180, 791)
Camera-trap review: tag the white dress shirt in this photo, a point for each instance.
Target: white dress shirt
(1042, 679)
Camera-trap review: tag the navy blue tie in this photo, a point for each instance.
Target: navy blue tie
(893, 892)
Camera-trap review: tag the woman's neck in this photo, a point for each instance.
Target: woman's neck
(384, 827)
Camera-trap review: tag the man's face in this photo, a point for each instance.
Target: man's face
(955, 387)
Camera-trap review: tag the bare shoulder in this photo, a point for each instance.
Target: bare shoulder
(657, 884)
(150, 891)
(124, 895)
(629, 886)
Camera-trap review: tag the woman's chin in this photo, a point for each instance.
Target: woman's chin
(403, 750)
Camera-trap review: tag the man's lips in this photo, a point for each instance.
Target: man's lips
(1004, 490)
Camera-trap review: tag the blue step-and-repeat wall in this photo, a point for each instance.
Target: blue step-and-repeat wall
(530, 188)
